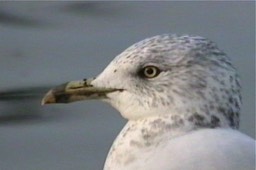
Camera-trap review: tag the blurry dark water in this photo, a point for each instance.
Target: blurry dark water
(43, 44)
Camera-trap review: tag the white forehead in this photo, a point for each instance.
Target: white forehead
(164, 48)
(165, 51)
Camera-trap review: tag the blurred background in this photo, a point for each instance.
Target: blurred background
(43, 44)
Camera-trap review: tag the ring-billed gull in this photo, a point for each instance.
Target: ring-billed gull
(181, 97)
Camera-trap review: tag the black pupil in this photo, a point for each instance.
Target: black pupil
(149, 71)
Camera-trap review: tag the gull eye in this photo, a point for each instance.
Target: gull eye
(150, 72)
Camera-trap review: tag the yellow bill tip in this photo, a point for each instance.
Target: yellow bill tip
(48, 98)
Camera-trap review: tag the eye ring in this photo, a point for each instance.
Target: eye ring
(150, 72)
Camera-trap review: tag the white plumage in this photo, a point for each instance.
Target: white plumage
(181, 96)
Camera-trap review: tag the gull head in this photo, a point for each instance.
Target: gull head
(164, 75)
